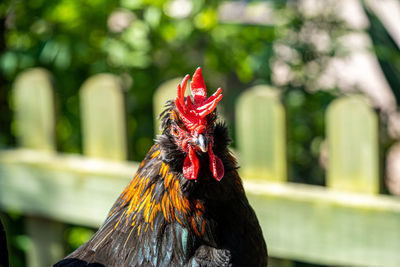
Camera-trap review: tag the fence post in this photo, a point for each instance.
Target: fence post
(103, 118)
(352, 131)
(352, 135)
(261, 134)
(34, 119)
(34, 110)
(261, 140)
(166, 91)
(392, 166)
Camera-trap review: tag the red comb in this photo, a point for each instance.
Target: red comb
(193, 114)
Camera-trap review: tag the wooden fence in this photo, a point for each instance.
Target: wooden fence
(346, 223)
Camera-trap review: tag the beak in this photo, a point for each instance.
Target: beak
(202, 143)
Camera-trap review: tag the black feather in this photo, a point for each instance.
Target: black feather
(164, 219)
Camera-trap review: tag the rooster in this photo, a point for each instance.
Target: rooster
(186, 205)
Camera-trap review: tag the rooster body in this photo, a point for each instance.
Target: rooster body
(186, 205)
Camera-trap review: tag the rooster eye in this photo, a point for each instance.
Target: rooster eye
(175, 131)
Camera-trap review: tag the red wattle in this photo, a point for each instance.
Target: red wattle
(216, 166)
(191, 165)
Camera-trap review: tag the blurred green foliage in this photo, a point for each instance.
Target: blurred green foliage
(76, 236)
(17, 240)
(306, 44)
(145, 42)
(136, 40)
(387, 52)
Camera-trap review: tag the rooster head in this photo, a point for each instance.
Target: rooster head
(192, 124)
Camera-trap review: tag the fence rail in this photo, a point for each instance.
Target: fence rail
(346, 223)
